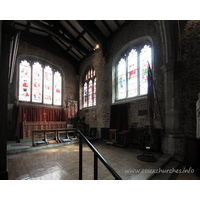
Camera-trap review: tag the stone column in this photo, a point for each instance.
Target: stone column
(172, 141)
(4, 57)
(7, 33)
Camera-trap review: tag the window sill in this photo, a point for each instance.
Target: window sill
(40, 105)
(86, 108)
(129, 100)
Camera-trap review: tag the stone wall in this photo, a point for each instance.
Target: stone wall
(103, 67)
(102, 113)
(190, 76)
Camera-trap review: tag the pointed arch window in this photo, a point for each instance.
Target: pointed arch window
(39, 83)
(132, 76)
(89, 88)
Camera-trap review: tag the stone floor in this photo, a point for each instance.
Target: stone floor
(61, 163)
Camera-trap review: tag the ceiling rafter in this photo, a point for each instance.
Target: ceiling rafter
(117, 23)
(80, 34)
(72, 27)
(106, 25)
(48, 45)
(28, 26)
(91, 27)
(57, 34)
(65, 31)
(70, 39)
(73, 38)
(92, 37)
(119, 29)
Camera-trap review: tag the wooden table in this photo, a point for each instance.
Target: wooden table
(56, 131)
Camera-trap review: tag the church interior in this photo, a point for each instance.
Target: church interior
(130, 87)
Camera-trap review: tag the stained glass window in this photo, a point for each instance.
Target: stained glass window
(132, 76)
(91, 73)
(57, 88)
(38, 84)
(85, 94)
(122, 79)
(95, 92)
(89, 89)
(90, 93)
(47, 85)
(145, 56)
(24, 81)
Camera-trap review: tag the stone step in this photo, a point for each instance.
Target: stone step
(167, 172)
(149, 171)
(26, 145)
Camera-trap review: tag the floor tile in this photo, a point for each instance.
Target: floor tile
(62, 163)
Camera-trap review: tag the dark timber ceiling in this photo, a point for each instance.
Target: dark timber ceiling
(73, 40)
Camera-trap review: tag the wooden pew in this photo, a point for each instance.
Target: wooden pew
(56, 131)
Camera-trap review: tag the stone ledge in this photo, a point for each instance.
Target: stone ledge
(176, 136)
(173, 135)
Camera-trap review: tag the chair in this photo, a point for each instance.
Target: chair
(122, 138)
(112, 136)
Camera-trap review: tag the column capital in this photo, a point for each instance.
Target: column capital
(166, 67)
(176, 65)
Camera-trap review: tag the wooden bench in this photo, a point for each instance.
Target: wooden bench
(66, 131)
(44, 132)
(56, 131)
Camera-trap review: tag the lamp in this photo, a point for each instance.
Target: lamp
(96, 47)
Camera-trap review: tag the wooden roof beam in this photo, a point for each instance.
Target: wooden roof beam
(57, 34)
(91, 27)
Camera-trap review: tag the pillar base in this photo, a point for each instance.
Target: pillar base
(173, 144)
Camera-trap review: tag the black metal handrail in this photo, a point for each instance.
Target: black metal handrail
(96, 156)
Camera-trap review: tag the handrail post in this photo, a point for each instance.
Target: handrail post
(95, 167)
(80, 157)
(96, 156)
